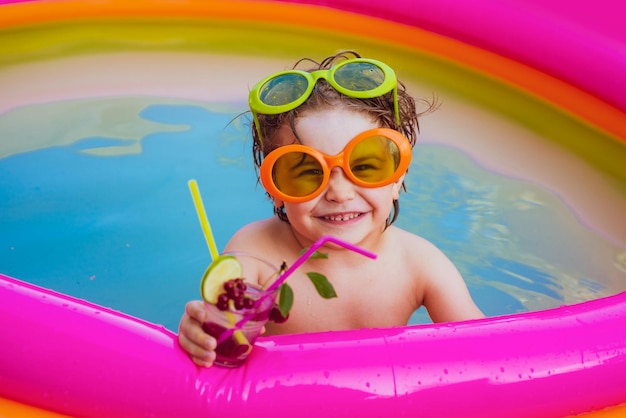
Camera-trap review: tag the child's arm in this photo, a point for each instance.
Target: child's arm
(199, 345)
(446, 296)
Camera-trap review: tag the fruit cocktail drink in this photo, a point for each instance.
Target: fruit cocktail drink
(229, 297)
(238, 310)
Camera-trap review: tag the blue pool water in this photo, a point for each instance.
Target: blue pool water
(109, 217)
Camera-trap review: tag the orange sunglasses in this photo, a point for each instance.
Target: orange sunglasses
(374, 158)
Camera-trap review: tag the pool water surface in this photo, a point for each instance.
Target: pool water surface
(109, 218)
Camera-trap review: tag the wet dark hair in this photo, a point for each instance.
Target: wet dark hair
(380, 109)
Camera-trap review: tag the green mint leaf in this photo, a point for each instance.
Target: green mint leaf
(322, 285)
(316, 254)
(285, 299)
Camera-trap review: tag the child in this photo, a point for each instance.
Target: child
(339, 106)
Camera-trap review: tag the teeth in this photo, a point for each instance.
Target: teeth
(344, 217)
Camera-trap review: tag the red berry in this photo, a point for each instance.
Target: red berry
(248, 303)
(239, 303)
(277, 316)
(222, 302)
(213, 329)
(229, 285)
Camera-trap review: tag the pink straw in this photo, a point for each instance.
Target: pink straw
(317, 244)
(323, 240)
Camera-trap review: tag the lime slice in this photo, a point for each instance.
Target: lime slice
(223, 269)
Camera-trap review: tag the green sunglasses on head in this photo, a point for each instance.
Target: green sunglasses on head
(361, 78)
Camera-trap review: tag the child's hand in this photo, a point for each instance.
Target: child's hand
(198, 344)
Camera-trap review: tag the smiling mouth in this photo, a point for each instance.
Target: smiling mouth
(342, 217)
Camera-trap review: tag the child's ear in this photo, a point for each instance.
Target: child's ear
(397, 186)
(278, 203)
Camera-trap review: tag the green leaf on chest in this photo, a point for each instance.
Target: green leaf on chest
(322, 285)
(285, 299)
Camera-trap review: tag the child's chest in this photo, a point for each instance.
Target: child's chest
(365, 299)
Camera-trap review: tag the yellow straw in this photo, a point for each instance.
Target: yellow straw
(204, 221)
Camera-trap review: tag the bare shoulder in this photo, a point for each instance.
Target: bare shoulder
(269, 237)
(254, 229)
(415, 259)
(417, 248)
(425, 258)
(438, 283)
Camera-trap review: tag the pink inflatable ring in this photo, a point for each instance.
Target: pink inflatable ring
(65, 356)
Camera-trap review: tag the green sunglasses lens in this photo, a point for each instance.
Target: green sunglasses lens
(297, 174)
(359, 76)
(374, 159)
(283, 89)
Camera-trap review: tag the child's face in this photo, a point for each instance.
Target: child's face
(344, 209)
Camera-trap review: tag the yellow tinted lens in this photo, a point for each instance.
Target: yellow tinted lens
(359, 76)
(283, 89)
(374, 159)
(297, 174)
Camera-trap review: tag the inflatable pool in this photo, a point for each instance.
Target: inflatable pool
(63, 355)
(90, 361)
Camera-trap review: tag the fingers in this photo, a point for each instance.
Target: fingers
(191, 337)
(199, 355)
(195, 309)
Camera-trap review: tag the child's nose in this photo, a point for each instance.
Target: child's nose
(340, 188)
